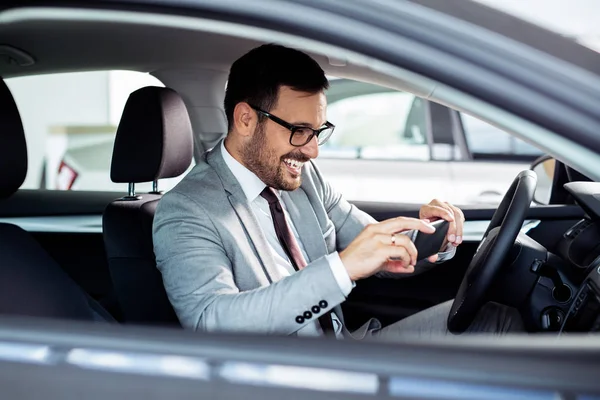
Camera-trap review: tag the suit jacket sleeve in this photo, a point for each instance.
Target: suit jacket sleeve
(198, 275)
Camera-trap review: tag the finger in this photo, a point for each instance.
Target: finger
(451, 235)
(400, 255)
(455, 230)
(403, 248)
(437, 202)
(431, 211)
(432, 203)
(460, 223)
(396, 268)
(453, 227)
(401, 224)
(402, 241)
(432, 258)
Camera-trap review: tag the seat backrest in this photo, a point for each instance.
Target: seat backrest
(31, 282)
(154, 141)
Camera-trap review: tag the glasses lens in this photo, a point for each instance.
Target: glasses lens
(325, 135)
(301, 136)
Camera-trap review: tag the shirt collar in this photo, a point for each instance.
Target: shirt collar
(250, 183)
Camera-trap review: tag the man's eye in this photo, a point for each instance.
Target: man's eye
(304, 132)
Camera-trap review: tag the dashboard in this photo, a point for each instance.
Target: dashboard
(552, 272)
(564, 280)
(581, 247)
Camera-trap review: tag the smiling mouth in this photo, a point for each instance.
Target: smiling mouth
(294, 166)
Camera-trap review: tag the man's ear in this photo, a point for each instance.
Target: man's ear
(244, 119)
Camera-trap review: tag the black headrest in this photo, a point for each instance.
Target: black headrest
(13, 148)
(154, 139)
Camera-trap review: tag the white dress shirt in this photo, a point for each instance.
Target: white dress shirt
(252, 187)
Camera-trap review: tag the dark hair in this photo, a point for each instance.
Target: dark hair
(256, 77)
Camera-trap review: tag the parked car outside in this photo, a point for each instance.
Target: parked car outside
(392, 146)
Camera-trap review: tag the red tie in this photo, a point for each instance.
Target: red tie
(290, 245)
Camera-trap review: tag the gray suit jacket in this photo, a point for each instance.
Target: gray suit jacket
(216, 263)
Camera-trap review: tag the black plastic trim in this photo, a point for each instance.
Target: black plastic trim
(33, 203)
(382, 211)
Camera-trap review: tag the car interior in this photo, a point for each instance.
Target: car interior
(158, 117)
(541, 259)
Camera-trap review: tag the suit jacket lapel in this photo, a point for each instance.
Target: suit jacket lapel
(240, 204)
(306, 223)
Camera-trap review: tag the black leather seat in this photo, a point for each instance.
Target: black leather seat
(154, 141)
(31, 282)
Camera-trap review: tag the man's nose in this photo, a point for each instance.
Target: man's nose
(311, 149)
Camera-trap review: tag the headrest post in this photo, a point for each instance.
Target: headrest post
(131, 191)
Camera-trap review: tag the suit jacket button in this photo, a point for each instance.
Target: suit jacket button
(300, 319)
(315, 309)
(323, 304)
(307, 315)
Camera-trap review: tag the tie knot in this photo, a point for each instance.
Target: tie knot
(269, 195)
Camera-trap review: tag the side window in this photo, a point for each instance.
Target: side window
(375, 123)
(415, 128)
(487, 142)
(70, 121)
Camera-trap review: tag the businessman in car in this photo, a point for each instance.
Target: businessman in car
(254, 239)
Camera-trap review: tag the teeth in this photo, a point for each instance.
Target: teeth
(294, 163)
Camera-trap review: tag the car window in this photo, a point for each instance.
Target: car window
(385, 125)
(70, 121)
(485, 140)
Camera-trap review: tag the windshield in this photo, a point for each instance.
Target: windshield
(574, 18)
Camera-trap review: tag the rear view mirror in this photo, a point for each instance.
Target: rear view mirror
(544, 169)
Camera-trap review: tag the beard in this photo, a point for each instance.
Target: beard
(261, 159)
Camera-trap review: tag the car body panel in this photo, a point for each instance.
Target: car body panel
(470, 78)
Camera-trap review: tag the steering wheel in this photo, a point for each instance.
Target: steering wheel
(491, 253)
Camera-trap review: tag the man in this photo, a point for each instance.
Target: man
(254, 239)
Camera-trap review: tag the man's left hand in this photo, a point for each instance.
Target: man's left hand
(438, 209)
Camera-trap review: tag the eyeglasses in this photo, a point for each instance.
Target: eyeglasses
(301, 135)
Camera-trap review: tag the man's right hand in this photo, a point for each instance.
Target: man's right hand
(379, 247)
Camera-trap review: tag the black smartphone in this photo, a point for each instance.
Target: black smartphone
(428, 244)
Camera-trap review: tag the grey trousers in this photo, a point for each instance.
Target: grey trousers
(493, 318)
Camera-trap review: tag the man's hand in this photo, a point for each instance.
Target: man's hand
(379, 247)
(437, 209)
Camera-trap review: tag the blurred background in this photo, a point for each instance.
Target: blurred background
(388, 146)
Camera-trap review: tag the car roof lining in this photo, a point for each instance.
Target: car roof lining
(68, 40)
